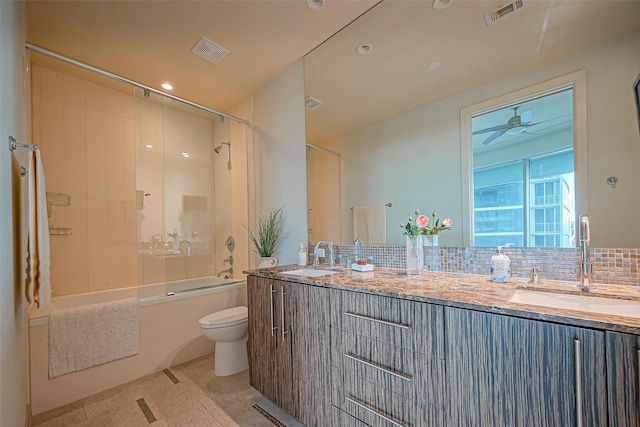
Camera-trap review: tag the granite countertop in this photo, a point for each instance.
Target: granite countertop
(471, 291)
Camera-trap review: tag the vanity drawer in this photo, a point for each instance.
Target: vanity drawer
(339, 418)
(414, 325)
(409, 373)
(376, 406)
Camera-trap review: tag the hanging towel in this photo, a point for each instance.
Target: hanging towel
(370, 224)
(38, 288)
(91, 335)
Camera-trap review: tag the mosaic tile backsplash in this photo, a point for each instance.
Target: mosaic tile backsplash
(611, 266)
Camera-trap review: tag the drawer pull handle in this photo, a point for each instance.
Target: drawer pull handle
(577, 351)
(380, 368)
(373, 411)
(385, 322)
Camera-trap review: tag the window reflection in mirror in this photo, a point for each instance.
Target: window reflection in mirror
(523, 173)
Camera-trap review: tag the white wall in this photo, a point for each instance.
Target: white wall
(14, 392)
(413, 160)
(279, 149)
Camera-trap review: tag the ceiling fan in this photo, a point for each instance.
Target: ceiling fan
(517, 124)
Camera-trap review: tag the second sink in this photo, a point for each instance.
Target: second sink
(591, 304)
(308, 272)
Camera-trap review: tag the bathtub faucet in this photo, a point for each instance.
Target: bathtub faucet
(228, 270)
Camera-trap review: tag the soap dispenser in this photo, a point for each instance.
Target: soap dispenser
(500, 267)
(302, 255)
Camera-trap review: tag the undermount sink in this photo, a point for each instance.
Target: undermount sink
(590, 304)
(308, 272)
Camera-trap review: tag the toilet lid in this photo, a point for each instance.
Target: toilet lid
(224, 318)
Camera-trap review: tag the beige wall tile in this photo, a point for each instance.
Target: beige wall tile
(58, 265)
(53, 164)
(51, 121)
(77, 270)
(176, 268)
(131, 265)
(129, 181)
(115, 102)
(75, 128)
(115, 136)
(116, 234)
(117, 266)
(75, 174)
(130, 223)
(36, 72)
(74, 90)
(129, 140)
(77, 219)
(98, 262)
(96, 177)
(115, 180)
(51, 84)
(96, 132)
(97, 222)
(128, 106)
(96, 97)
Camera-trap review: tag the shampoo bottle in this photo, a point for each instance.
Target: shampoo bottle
(302, 255)
(500, 267)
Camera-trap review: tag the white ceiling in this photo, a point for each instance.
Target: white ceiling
(150, 41)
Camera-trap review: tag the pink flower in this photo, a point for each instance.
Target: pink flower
(422, 221)
(447, 222)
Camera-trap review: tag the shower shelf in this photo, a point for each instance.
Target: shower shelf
(60, 231)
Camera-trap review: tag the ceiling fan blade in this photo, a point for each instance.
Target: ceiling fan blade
(526, 117)
(493, 137)
(493, 129)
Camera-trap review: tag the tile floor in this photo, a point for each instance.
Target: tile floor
(184, 395)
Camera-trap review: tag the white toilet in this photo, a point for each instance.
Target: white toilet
(228, 328)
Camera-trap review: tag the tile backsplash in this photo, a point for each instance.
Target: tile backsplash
(611, 265)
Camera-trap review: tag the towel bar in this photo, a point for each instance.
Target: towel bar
(13, 144)
(386, 204)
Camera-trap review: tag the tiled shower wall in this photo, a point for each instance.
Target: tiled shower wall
(611, 266)
(85, 133)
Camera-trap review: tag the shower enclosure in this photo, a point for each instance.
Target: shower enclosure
(184, 210)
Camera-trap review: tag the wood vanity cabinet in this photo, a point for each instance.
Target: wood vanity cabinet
(623, 360)
(506, 371)
(288, 347)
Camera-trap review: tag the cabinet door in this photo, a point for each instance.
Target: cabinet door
(623, 360)
(283, 372)
(311, 356)
(261, 301)
(505, 371)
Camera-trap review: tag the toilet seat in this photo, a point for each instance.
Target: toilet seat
(225, 318)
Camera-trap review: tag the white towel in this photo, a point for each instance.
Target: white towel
(38, 287)
(91, 335)
(370, 224)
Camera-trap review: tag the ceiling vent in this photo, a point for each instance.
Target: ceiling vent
(310, 103)
(209, 50)
(503, 11)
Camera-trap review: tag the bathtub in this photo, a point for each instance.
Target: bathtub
(169, 335)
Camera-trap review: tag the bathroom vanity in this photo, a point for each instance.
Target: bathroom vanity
(439, 349)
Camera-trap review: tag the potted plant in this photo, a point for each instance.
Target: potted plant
(267, 236)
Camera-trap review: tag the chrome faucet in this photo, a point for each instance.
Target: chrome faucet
(228, 270)
(228, 260)
(319, 253)
(585, 264)
(358, 242)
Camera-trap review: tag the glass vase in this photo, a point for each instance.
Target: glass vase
(431, 240)
(415, 254)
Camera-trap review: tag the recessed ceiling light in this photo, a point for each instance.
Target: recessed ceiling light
(435, 66)
(364, 48)
(185, 155)
(315, 5)
(166, 86)
(149, 146)
(441, 4)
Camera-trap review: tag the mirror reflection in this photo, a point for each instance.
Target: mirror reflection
(395, 115)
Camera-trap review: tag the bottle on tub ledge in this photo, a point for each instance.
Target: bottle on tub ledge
(500, 267)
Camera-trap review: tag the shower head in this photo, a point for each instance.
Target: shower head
(219, 147)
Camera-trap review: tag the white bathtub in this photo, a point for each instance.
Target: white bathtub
(169, 335)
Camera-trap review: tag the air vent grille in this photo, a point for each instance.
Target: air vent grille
(209, 50)
(310, 103)
(504, 11)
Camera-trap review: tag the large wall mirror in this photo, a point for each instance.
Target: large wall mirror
(403, 91)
